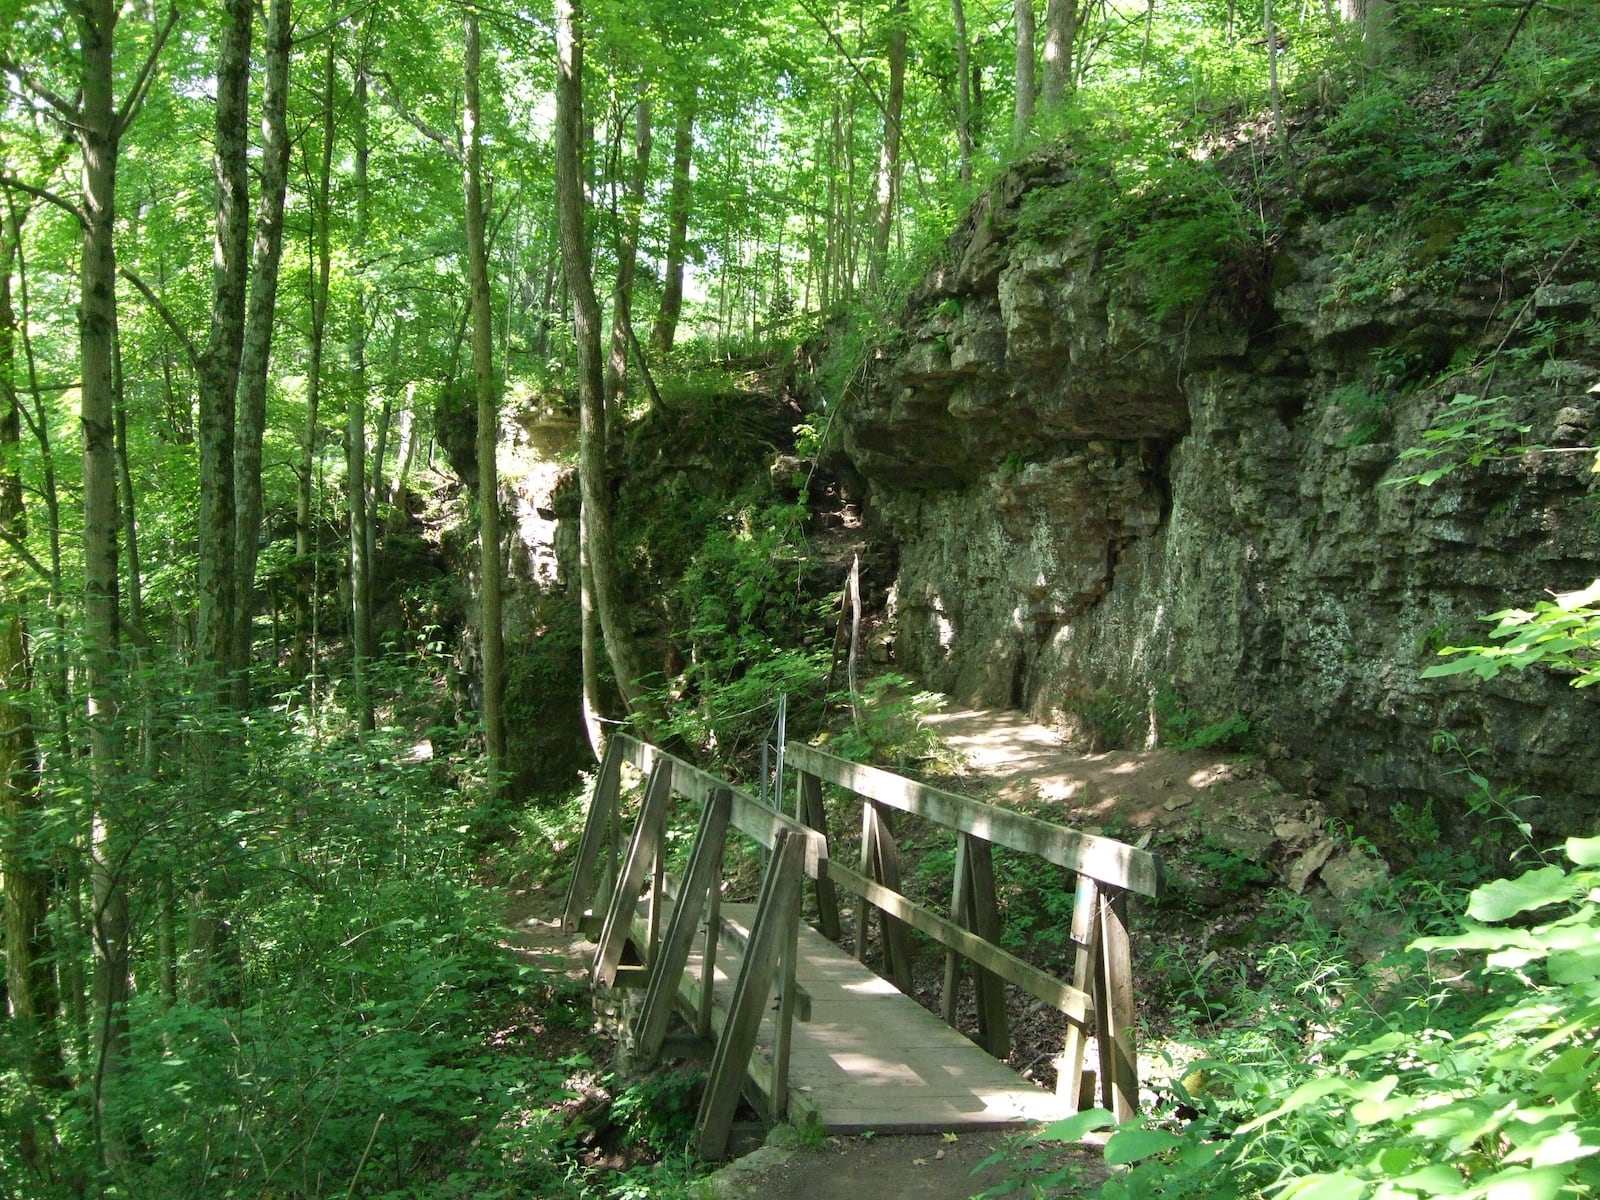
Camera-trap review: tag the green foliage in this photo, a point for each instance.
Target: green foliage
(659, 1110)
(1561, 633)
(1368, 414)
(886, 724)
(344, 1043)
(1035, 900)
(1182, 728)
(1113, 722)
(1480, 1085)
(1471, 431)
(744, 595)
(1166, 223)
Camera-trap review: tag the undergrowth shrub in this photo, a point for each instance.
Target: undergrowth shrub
(1476, 1079)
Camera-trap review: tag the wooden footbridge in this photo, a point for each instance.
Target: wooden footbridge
(801, 1026)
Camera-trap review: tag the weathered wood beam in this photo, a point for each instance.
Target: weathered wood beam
(642, 852)
(779, 898)
(1073, 1001)
(1111, 862)
(602, 808)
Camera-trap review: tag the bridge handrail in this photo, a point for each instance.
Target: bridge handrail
(1106, 860)
(754, 818)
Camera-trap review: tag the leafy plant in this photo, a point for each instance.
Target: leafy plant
(1471, 431)
(1184, 729)
(1485, 1091)
(1561, 633)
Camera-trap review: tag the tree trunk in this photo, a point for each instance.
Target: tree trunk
(958, 14)
(1027, 82)
(889, 157)
(355, 447)
(628, 252)
(219, 364)
(30, 978)
(252, 399)
(489, 558)
(99, 136)
(679, 201)
(596, 540)
(319, 266)
(1060, 36)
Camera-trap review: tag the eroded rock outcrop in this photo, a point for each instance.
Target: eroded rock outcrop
(1089, 501)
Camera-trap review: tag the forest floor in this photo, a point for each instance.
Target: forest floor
(1225, 830)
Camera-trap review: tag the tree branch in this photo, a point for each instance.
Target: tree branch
(61, 202)
(1516, 28)
(141, 85)
(160, 306)
(384, 86)
(65, 109)
(26, 555)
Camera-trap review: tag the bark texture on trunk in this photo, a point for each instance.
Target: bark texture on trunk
(597, 542)
(628, 252)
(356, 423)
(30, 975)
(99, 136)
(1060, 36)
(319, 266)
(219, 363)
(679, 201)
(489, 557)
(889, 154)
(266, 257)
(1026, 79)
(958, 15)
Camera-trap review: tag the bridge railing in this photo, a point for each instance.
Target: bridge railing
(614, 886)
(1098, 1002)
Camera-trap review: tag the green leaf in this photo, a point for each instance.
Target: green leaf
(1338, 1186)
(1135, 1144)
(1505, 898)
(1585, 852)
(1518, 1183)
(1074, 1127)
(1435, 1180)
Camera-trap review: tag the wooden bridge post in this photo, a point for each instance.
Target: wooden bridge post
(813, 814)
(700, 881)
(1113, 1008)
(779, 898)
(973, 906)
(602, 810)
(642, 853)
(1085, 940)
(880, 861)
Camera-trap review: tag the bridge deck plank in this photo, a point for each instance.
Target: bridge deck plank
(872, 1058)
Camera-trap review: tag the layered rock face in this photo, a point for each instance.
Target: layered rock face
(1090, 504)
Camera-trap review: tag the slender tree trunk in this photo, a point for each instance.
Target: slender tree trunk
(958, 14)
(219, 364)
(99, 135)
(30, 978)
(628, 252)
(596, 540)
(679, 201)
(1027, 82)
(491, 567)
(1060, 36)
(889, 156)
(356, 420)
(267, 255)
(319, 266)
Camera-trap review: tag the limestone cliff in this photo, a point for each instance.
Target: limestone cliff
(1092, 505)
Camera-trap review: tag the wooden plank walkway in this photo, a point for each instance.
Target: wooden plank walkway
(870, 1057)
